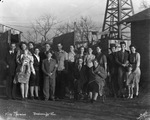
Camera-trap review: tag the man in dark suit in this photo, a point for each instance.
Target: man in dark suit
(11, 68)
(49, 70)
(112, 71)
(122, 62)
(80, 76)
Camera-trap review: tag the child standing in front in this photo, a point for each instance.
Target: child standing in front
(129, 79)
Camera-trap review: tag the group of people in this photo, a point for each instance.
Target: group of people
(51, 75)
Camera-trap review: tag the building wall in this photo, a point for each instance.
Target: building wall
(140, 37)
(66, 40)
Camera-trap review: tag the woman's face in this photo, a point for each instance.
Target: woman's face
(133, 49)
(31, 46)
(47, 47)
(90, 50)
(95, 63)
(23, 46)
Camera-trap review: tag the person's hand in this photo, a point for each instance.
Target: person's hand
(14, 81)
(123, 65)
(50, 74)
(75, 80)
(56, 65)
(108, 74)
(34, 73)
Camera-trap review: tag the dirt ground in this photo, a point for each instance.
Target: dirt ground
(112, 109)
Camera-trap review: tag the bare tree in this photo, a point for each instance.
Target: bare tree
(84, 27)
(64, 28)
(144, 5)
(43, 26)
(27, 36)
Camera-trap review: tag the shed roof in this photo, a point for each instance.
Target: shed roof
(143, 15)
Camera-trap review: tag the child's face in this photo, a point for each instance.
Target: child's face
(130, 69)
(49, 55)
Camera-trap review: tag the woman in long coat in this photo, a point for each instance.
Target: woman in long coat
(24, 69)
(97, 75)
(134, 60)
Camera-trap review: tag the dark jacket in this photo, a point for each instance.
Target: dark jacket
(49, 67)
(36, 63)
(98, 74)
(81, 74)
(11, 62)
(112, 62)
(122, 58)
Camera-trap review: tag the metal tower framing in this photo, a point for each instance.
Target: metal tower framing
(116, 11)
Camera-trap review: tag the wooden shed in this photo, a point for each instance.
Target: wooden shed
(7, 35)
(140, 37)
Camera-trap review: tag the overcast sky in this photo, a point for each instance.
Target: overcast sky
(20, 13)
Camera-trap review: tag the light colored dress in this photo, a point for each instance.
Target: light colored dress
(130, 79)
(25, 67)
(134, 60)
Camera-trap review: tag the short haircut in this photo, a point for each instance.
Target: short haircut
(47, 44)
(112, 45)
(121, 43)
(59, 44)
(47, 52)
(36, 48)
(99, 46)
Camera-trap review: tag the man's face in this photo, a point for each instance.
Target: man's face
(37, 51)
(47, 47)
(13, 46)
(82, 49)
(123, 46)
(59, 47)
(98, 49)
(113, 49)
